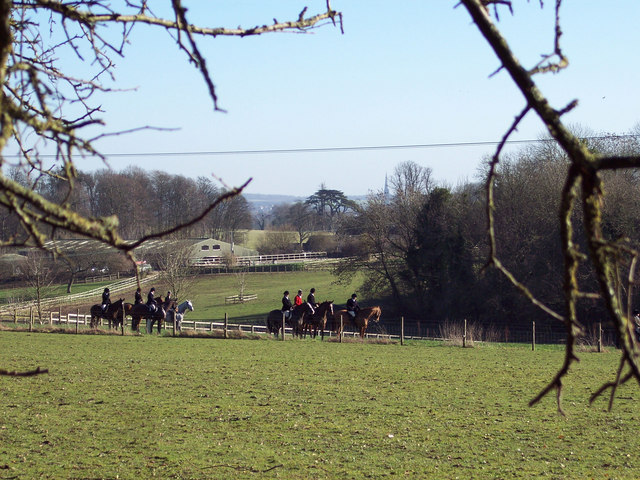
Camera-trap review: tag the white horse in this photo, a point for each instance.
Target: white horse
(178, 314)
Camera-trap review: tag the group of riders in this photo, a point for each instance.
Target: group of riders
(288, 307)
(152, 303)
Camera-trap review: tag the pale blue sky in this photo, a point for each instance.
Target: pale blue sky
(406, 72)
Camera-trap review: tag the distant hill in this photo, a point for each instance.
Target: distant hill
(265, 202)
(261, 201)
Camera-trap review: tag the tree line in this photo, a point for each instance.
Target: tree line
(144, 202)
(425, 246)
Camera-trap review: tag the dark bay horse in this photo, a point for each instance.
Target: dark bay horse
(113, 314)
(361, 320)
(141, 310)
(318, 320)
(295, 321)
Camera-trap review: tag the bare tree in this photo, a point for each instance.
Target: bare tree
(38, 276)
(583, 187)
(174, 262)
(302, 220)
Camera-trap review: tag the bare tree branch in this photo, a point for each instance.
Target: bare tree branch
(582, 184)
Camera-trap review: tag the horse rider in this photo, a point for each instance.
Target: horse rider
(168, 297)
(352, 306)
(151, 300)
(298, 300)
(106, 300)
(311, 300)
(138, 296)
(286, 305)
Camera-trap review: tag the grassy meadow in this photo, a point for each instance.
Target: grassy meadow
(152, 406)
(209, 292)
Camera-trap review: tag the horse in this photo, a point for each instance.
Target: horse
(141, 310)
(113, 314)
(177, 314)
(319, 319)
(295, 320)
(361, 320)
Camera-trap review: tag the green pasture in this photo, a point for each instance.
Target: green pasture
(161, 407)
(209, 292)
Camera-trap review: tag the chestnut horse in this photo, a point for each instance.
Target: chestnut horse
(113, 314)
(361, 320)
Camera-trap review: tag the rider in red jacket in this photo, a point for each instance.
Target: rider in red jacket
(298, 300)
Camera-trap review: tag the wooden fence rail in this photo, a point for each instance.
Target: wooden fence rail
(240, 298)
(116, 288)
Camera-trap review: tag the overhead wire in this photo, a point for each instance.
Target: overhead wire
(271, 151)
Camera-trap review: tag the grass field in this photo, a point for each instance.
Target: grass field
(142, 407)
(211, 290)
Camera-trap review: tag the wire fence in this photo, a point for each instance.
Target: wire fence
(392, 329)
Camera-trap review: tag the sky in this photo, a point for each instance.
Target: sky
(412, 72)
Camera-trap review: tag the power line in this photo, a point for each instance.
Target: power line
(332, 149)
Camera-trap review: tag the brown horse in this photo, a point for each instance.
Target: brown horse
(141, 310)
(361, 320)
(113, 314)
(295, 321)
(318, 320)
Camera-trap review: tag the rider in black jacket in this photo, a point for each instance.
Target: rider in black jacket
(151, 300)
(106, 300)
(286, 304)
(352, 306)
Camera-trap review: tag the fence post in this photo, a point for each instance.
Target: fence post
(30, 319)
(77, 319)
(401, 330)
(51, 317)
(226, 318)
(15, 317)
(599, 337)
(283, 325)
(533, 335)
(464, 334)
(341, 327)
(174, 322)
(60, 316)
